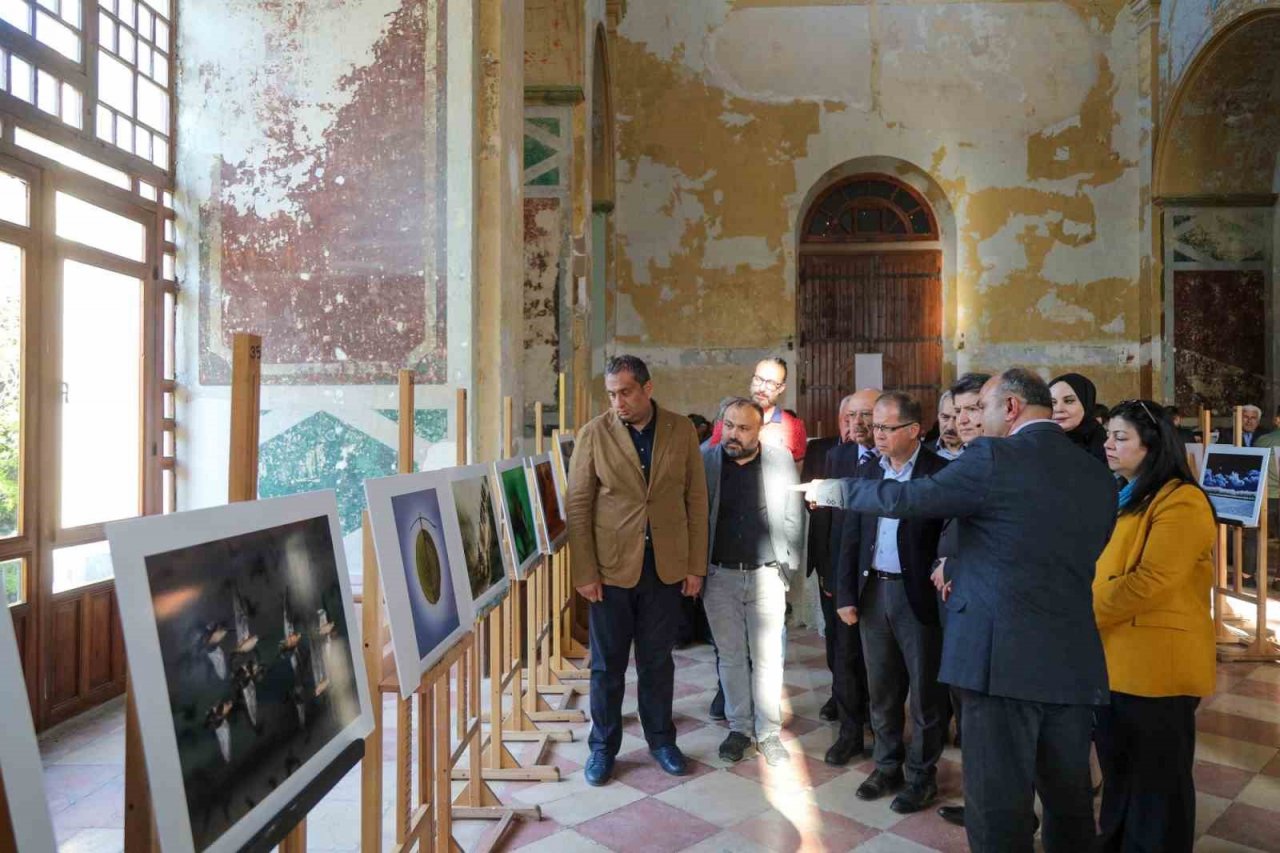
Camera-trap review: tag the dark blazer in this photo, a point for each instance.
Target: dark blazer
(842, 461)
(1031, 522)
(818, 540)
(917, 548)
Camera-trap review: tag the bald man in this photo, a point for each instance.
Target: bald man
(848, 667)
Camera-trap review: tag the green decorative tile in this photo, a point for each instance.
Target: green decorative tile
(549, 124)
(536, 152)
(549, 178)
(322, 452)
(428, 424)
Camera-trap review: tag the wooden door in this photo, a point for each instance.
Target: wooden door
(887, 302)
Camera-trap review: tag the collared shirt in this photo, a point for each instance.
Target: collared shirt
(949, 455)
(1020, 427)
(742, 522)
(886, 557)
(643, 440)
(864, 452)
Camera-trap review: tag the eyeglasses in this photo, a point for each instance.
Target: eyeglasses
(888, 428)
(766, 384)
(1153, 418)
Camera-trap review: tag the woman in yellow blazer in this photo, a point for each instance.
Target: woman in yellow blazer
(1151, 600)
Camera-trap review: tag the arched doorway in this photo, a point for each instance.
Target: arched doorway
(870, 282)
(1216, 182)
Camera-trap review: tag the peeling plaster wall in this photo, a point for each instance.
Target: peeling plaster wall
(324, 189)
(1024, 115)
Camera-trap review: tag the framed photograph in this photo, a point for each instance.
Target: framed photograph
(552, 530)
(476, 505)
(26, 825)
(518, 515)
(561, 451)
(244, 652)
(1235, 478)
(424, 578)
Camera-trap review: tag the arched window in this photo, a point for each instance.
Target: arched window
(870, 209)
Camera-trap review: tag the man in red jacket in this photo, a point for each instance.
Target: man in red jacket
(781, 428)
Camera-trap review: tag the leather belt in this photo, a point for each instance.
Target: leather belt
(886, 576)
(746, 567)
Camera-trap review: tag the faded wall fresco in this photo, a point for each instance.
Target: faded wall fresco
(1022, 123)
(312, 178)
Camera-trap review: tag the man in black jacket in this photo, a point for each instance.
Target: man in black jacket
(1021, 642)
(817, 556)
(884, 588)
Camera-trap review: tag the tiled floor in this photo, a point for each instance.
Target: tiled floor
(749, 807)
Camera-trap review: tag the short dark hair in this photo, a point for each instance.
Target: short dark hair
(627, 364)
(1025, 385)
(698, 420)
(737, 402)
(970, 383)
(781, 362)
(1171, 412)
(909, 410)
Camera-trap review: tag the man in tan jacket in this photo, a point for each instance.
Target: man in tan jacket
(637, 512)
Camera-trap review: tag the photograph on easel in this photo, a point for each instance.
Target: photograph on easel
(1234, 478)
(425, 584)
(244, 657)
(517, 515)
(24, 811)
(552, 529)
(561, 452)
(475, 503)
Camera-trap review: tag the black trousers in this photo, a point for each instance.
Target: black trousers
(648, 615)
(949, 699)
(848, 669)
(1146, 747)
(903, 656)
(1013, 750)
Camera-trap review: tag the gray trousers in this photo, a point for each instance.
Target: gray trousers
(747, 611)
(902, 657)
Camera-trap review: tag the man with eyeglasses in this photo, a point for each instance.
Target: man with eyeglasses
(1021, 644)
(781, 428)
(884, 589)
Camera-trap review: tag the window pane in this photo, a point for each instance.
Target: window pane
(47, 92)
(115, 82)
(11, 572)
(101, 376)
(71, 12)
(81, 565)
(20, 79)
(69, 158)
(10, 387)
(60, 37)
(72, 106)
(17, 13)
(153, 105)
(14, 195)
(92, 225)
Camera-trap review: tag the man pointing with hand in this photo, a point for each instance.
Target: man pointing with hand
(637, 515)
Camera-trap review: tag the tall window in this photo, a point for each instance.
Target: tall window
(87, 316)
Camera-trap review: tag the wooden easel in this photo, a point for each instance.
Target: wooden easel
(506, 679)
(1260, 647)
(427, 824)
(242, 485)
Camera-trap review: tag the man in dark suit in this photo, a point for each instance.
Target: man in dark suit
(1021, 644)
(884, 589)
(817, 555)
(849, 671)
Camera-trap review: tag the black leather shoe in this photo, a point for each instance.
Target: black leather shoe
(916, 796)
(878, 784)
(829, 713)
(599, 768)
(953, 815)
(716, 712)
(734, 747)
(843, 750)
(671, 759)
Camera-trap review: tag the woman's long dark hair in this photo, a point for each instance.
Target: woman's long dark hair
(1166, 456)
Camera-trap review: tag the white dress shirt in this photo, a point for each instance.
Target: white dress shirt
(886, 557)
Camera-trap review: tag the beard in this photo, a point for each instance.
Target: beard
(736, 450)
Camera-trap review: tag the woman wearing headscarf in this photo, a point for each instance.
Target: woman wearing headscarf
(1151, 602)
(1074, 397)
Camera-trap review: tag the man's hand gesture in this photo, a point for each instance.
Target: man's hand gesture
(592, 592)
